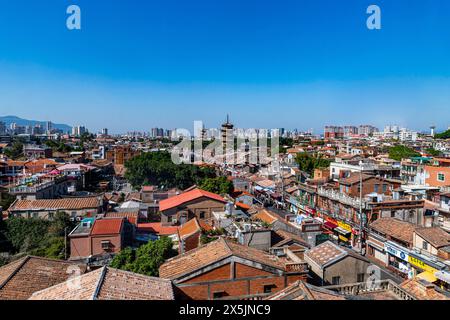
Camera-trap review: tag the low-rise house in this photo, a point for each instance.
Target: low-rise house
(109, 284)
(333, 265)
(226, 270)
(100, 237)
(300, 290)
(370, 184)
(189, 235)
(283, 240)
(444, 211)
(438, 175)
(434, 241)
(195, 203)
(31, 151)
(305, 227)
(21, 278)
(424, 290)
(390, 241)
(76, 208)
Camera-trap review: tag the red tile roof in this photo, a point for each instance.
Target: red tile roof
(158, 228)
(110, 284)
(189, 228)
(21, 278)
(242, 205)
(212, 252)
(186, 197)
(107, 226)
(55, 204)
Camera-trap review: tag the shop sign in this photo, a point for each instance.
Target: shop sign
(331, 220)
(345, 226)
(342, 238)
(420, 264)
(392, 250)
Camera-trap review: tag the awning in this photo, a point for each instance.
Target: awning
(342, 231)
(330, 225)
(428, 276)
(443, 276)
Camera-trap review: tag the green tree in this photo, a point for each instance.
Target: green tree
(58, 146)
(157, 168)
(146, 259)
(433, 152)
(6, 201)
(16, 149)
(443, 135)
(400, 152)
(308, 163)
(26, 235)
(37, 236)
(219, 185)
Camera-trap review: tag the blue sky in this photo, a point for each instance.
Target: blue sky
(288, 63)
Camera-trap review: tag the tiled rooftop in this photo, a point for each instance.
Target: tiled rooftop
(395, 228)
(55, 204)
(109, 284)
(213, 252)
(21, 278)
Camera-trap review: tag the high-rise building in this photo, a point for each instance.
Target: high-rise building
(227, 135)
(334, 132)
(48, 127)
(366, 130)
(78, 131)
(350, 131)
(105, 131)
(2, 127)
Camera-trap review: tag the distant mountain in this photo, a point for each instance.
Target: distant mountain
(24, 122)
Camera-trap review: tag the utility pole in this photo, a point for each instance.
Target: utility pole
(65, 243)
(361, 224)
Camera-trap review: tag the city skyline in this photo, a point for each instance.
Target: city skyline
(139, 65)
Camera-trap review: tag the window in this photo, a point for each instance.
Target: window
(360, 277)
(106, 244)
(51, 215)
(441, 177)
(219, 294)
(202, 215)
(336, 280)
(268, 288)
(35, 214)
(384, 188)
(376, 186)
(425, 245)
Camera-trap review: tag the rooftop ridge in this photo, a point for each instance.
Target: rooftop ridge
(99, 283)
(25, 260)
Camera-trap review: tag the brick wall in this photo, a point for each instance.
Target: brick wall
(247, 281)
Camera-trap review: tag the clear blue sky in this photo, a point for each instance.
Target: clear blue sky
(287, 63)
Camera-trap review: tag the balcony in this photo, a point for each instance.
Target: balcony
(342, 198)
(365, 288)
(21, 189)
(296, 267)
